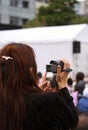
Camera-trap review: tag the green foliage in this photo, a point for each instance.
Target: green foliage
(33, 23)
(80, 19)
(59, 12)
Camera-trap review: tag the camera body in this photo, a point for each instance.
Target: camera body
(52, 67)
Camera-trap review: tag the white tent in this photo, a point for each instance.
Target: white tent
(44, 35)
(48, 42)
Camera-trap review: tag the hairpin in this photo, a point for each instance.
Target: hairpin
(7, 57)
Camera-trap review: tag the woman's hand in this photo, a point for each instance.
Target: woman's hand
(61, 77)
(44, 84)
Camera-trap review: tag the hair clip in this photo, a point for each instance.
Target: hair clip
(7, 57)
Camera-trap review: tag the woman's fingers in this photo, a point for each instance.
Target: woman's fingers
(44, 77)
(66, 63)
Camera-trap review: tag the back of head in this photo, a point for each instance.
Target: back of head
(39, 75)
(83, 122)
(16, 80)
(79, 76)
(70, 81)
(80, 84)
(22, 53)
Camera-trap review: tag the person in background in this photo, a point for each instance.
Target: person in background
(80, 83)
(53, 82)
(23, 104)
(83, 101)
(73, 93)
(39, 76)
(83, 122)
(69, 85)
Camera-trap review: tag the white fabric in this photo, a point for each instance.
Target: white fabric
(54, 34)
(85, 92)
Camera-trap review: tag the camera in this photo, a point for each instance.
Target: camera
(52, 67)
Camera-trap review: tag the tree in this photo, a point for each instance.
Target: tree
(59, 12)
(33, 23)
(80, 19)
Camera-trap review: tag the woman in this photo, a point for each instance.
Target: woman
(23, 105)
(80, 83)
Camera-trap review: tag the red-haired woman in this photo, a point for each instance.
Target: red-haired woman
(23, 105)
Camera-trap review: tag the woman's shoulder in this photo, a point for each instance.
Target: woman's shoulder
(42, 97)
(44, 101)
(42, 105)
(49, 99)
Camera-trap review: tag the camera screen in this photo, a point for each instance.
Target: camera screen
(48, 68)
(51, 68)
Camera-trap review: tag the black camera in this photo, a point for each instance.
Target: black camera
(52, 67)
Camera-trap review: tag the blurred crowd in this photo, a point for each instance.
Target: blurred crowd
(78, 89)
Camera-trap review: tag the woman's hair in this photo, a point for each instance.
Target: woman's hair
(80, 83)
(79, 76)
(70, 82)
(16, 82)
(83, 122)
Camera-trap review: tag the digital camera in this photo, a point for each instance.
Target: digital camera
(52, 67)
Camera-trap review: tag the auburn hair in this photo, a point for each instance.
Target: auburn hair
(16, 82)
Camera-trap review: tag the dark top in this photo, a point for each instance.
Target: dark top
(50, 111)
(80, 86)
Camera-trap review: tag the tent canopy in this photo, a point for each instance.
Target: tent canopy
(83, 35)
(46, 35)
